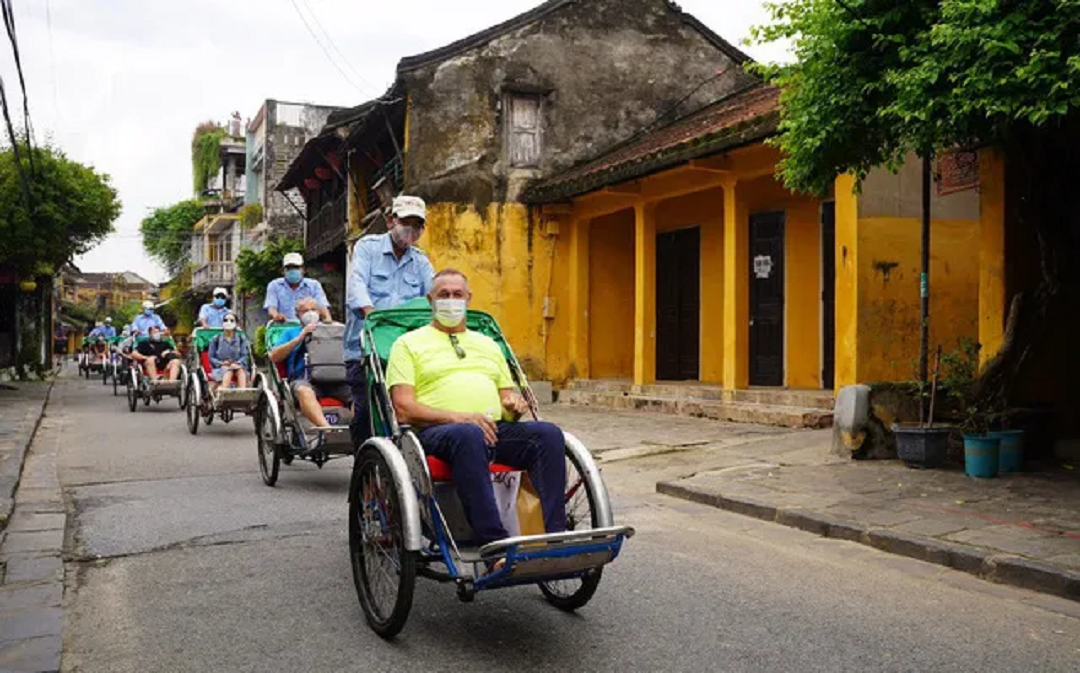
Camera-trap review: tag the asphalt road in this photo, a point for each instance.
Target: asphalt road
(180, 559)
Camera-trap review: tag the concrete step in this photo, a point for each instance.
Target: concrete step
(811, 399)
(734, 412)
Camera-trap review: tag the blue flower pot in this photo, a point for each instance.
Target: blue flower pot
(981, 456)
(1011, 450)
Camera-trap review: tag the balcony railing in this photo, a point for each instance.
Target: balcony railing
(327, 229)
(214, 273)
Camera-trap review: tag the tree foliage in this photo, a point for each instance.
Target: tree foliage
(71, 209)
(877, 79)
(256, 268)
(205, 160)
(167, 233)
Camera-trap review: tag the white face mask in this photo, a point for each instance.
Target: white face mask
(449, 312)
(309, 317)
(229, 324)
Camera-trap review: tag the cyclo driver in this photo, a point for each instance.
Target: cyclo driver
(454, 385)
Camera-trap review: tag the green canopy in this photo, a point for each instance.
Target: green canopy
(387, 325)
(274, 329)
(203, 336)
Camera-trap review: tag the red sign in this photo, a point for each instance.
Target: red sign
(957, 171)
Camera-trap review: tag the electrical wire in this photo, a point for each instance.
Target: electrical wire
(326, 52)
(334, 46)
(9, 25)
(15, 146)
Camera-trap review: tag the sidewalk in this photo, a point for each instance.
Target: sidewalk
(20, 412)
(1021, 529)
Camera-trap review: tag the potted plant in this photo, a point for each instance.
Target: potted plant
(923, 446)
(981, 448)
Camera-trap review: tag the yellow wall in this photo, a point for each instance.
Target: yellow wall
(992, 292)
(888, 292)
(847, 282)
(802, 300)
(611, 301)
(508, 258)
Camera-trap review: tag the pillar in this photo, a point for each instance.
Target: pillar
(579, 298)
(644, 293)
(736, 360)
(847, 286)
(992, 295)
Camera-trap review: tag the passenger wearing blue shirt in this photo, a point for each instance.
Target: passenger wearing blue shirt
(212, 314)
(142, 323)
(283, 293)
(289, 347)
(386, 270)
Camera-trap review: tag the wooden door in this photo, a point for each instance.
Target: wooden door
(678, 305)
(767, 299)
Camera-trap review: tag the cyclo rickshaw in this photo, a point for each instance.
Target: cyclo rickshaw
(121, 365)
(406, 520)
(283, 433)
(200, 401)
(94, 356)
(112, 362)
(139, 385)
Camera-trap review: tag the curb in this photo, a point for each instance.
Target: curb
(11, 469)
(1002, 568)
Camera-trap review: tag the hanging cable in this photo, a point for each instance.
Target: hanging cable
(326, 52)
(334, 46)
(9, 25)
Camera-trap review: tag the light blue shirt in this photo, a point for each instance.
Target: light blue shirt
(282, 298)
(379, 279)
(223, 348)
(96, 332)
(213, 315)
(108, 331)
(142, 323)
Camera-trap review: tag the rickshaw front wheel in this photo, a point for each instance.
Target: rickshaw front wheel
(570, 594)
(384, 572)
(269, 451)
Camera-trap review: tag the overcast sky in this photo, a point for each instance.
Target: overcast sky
(121, 84)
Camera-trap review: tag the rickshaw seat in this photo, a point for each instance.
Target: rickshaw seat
(440, 470)
(282, 373)
(331, 402)
(204, 359)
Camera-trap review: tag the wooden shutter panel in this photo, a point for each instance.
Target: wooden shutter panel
(524, 131)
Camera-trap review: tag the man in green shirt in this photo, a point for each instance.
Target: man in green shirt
(455, 387)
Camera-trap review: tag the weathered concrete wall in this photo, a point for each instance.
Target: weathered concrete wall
(608, 68)
(288, 126)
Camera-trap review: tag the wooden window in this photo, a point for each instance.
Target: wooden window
(524, 127)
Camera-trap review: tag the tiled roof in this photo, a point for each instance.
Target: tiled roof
(535, 14)
(743, 117)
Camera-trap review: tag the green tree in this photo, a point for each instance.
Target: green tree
(875, 80)
(256, 268)
(205, 161)
(167, 233)
(71, 209)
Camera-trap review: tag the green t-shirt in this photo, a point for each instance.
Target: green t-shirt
(426, 360)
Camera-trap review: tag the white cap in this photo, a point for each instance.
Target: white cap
(409, 206)
(220, 290)
(148, 304)
(108, 319)
(293, 259)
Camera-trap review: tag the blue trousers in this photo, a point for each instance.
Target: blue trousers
(360, 428)
(535, 447)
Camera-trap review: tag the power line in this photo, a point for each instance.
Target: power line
(9, 24)
(322, 46)
(52, 62)
(334, 46)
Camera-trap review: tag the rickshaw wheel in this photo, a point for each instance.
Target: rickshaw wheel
(115, 383)
(384, 572)
(133, 401)
(192, 410)
(570, 594)
(269, 453)
(104, 375)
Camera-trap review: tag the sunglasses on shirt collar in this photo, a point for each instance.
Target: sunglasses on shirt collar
(458, 350)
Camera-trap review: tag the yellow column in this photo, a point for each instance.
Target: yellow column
(644, 293)
(847, 288)
(579, 298)
(736, 365)
(992, 293)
